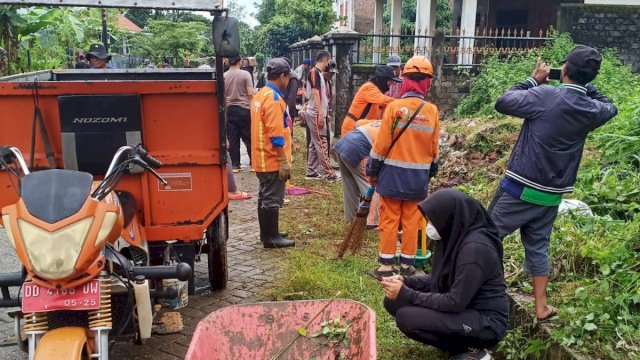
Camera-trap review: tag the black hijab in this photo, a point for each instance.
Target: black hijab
(458, 218)
(380, 83)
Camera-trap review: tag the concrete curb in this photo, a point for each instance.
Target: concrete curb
(521, 315)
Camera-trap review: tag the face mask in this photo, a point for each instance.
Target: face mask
(432, 233)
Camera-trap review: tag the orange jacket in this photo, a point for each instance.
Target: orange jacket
(367, 94)
(403, 172)
(269, 129)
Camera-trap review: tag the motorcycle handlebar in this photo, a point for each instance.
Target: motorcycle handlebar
(12, 279)
(168, 293)
(10, 155)
(181, 271)
(144, 155)
(6, 154)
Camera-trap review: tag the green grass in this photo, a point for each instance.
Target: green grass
(311, 271)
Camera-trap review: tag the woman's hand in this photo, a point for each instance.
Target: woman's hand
(394, 277)
(391, 287)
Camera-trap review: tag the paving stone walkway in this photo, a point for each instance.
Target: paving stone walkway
(251, 272)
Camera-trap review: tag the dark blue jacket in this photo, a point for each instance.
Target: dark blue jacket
(557, 120)
(353, 147)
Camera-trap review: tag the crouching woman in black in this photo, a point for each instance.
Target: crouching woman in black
(462, 306)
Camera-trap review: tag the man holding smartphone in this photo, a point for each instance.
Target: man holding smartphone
(545, 159)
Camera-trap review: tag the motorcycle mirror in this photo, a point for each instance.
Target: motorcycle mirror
(226, 36)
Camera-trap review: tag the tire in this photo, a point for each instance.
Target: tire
(217, 235)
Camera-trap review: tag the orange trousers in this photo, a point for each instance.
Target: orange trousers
(393, 213)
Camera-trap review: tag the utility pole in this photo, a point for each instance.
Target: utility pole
(105, 34)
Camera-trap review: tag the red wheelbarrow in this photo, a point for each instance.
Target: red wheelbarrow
(313, 329)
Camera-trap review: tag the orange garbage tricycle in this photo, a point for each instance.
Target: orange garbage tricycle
(173, 113)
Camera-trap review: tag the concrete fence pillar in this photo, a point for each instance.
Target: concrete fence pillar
(304, 49)
(437, 58)
(315, 45)
(294, 55)
(341, 42)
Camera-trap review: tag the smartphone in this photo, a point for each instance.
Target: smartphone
(554, 74)
(375, 277)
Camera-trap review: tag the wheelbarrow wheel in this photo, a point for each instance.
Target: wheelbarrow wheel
(217, 235)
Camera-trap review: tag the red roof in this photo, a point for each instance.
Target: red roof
(126, 24)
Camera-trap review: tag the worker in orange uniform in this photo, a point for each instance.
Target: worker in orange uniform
(350, 151)
(271, 149)
(370, 99)
(400, 165)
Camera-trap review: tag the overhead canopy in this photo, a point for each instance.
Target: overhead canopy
(200, 5)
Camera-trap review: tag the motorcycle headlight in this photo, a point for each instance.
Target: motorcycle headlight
(106, 227)
(53, 255)
(7, 226)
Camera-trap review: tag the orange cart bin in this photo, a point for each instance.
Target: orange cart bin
(313, 329)
(88, 114)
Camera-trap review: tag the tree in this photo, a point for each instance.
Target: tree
(140, 17)
(247, 33)
(10, 21)
(188, 16)
(284, 22)
(266, 11)
(49, 35)
(174, 39)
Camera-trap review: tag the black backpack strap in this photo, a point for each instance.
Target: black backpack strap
(366, 110)
(364, 114)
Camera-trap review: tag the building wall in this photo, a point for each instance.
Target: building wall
(602, 26)
(540, 14)
(343, 11)
(446, 92)
(364, 11)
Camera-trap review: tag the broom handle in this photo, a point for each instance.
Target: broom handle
(369, 194)
(424, 237)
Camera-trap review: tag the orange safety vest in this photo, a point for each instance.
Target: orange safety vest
(404, 171)
(269, 120)
(367, 104)
(370, 129)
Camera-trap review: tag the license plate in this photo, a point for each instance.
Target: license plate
(38, 299)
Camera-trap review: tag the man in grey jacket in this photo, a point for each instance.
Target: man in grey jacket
(545, 160)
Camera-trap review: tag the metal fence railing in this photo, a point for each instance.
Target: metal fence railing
(456, 47)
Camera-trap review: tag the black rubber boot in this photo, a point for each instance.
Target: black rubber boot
(262, 222)
(283, 234)
(273, 239)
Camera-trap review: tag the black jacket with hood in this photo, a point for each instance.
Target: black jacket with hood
(467, 271)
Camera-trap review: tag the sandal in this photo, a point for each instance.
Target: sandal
(550, 316)
(240, 196)
(378, 275)
(407, 271)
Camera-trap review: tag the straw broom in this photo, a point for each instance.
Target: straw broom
(355, 235)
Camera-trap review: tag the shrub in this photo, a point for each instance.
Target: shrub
(595, 261)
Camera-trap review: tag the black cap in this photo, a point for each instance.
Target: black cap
(584, 57)
(99, 51)
(278, 66)
(386, 72)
